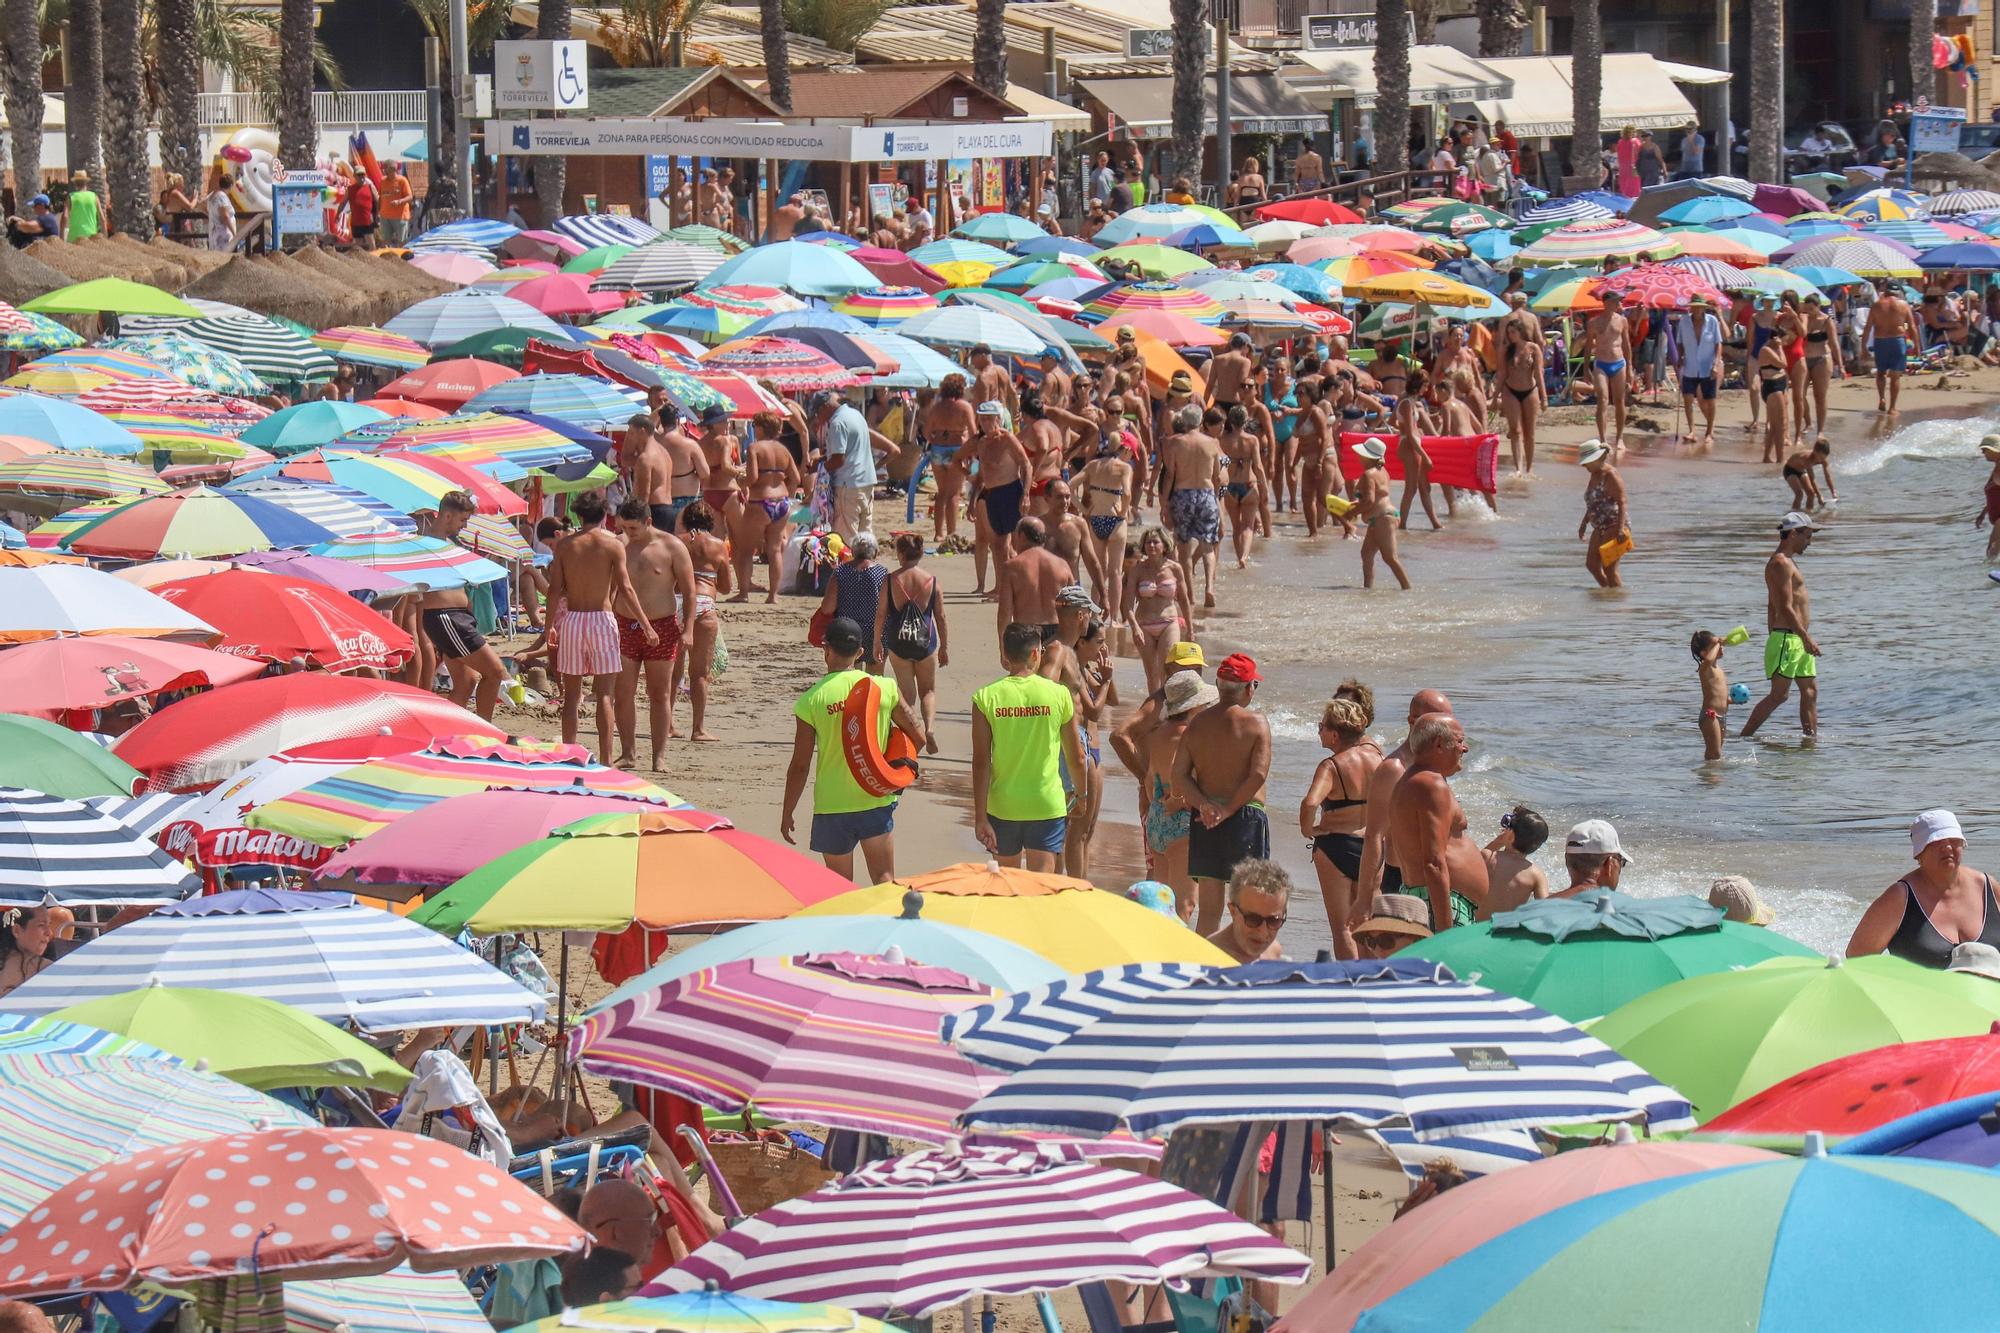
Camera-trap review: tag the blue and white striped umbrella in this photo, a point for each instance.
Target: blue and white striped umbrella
(1153, 1046)
(469, 310)
(1917, 233)
(144, 815)
(53, 850)
(1566, 210)
(466, 233)
(1474, 1154)
(320, 952)
(341, 510)
(591, 230)
(578, 399)
(969, 326)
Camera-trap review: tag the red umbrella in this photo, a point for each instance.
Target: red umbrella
(1661, 287)
(448, 384)
(300, 1203)
(897, 269)
(1859, 1092)
(276, 618)
(1318, 212)
(207, 739)
(561, 294)
(57, 676)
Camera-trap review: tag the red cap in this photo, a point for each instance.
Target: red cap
(1238, 666)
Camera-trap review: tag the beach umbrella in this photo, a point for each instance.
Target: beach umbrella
(1916, 233)
(1865, 256)
(519, 439)
(1212, 236)
(1155, 259)
(1592, 241)
(56, 677)
(414, 558)
(67, 426)
(950, 251)
(460, 314)
(454, 266)
(403, 407)
(1064, 920)
(371, 795)
(148, 815)
(893, 268)
(1967, 255)
(580, 400)
(205, 739)
(59, 381)
(845, 1040)
(62, 851)
(366, 345)
(1426, 1239)
(23, 331)
(1865, 1091)
(558, 294)
(114, 296)
(1883, 206)
(1707, 210)
(169, 439)
(1309, 283)
(1767, 280)
(855, 350)
(1380, 236)
(322, 953)
(1166, 297)
(1719, 1038)
(1576, 208)
(999, 228)
(785, 364)
(1317, 212)
(1583, 957)
(544, 246)
(914, 1234)
(1453, 217)
(269, 617)
(303, 426)
(796, 267)
(710, 238)
(963, 273)
(1175, 330)
(666, 265)
(1954, 202)
(196, 363)
(917, 366)
(488, 233)
(709, 1310)
(1344, 271)
(54, 600)
(1311, 249)
(114, 357)
(340, 510)
(56, 761)
(448, 383)
(193, 524)
(155, 572)
(1802, 229)
(1730, 244)
(1026, 274)
(596, 259)
(1151, 222)
(875, 307)
(48, 534)
(968, 326)
(397, 481)
(1418, 287)
(1228, 288)
(704, 323)
(1057, 245)
(246, 1039)
(604, 872)
(1826, 277)
(55, 477)
(1147, 1045)
(747, 301)
(264, 346)
(1784, 1217)
(594, 229)
(1659, 286)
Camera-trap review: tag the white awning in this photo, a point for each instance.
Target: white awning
(1699, 75)
(1439, 75)
(1061, 116)
(1258, 104)
(1637, 91)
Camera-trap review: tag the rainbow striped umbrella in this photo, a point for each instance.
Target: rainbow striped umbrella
(845, 1040)
(1596, 239)
(396, 482)
(354, 802)
(192, 525)
(746, 299)
(431, 561)
(1577, 296)
(1024, 274)
(786, 365)
(877, 306)
(477, 437)
(580, 400)
(1136, 297)
(185, 440)
(48, 534)
(492, 535)
(116, 360)
(75, 476)
(197, 364)
(367, 345)
(172, 396)
(1351, 270)
(59, 381)
(26, 331)
(709, 1311)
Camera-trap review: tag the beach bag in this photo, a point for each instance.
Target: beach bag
(765, 1169)
(909, 634)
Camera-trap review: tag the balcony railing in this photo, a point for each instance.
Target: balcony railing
(391, 106)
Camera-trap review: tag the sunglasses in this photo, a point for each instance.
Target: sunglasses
(1258, 921)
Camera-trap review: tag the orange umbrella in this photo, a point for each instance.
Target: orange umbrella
(405, 407)
(1161, 361)
(25, 557)
(971, 879)
(23, 446)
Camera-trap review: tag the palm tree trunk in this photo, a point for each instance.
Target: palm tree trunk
(777, 52)
(989, 47)
(1587, 86)
(298, 131)
(1501, 23)
(1190, 61)
(552, 171)
(1423, 16)
(83, 89)
(1767, 113)
(24, 95)
(1923, 26)
(1392, 85)
(127, 172)
(180, 75)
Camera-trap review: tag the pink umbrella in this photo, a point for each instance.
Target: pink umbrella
(58, 676)
(540, 245)
(1308, 249)
(566, 294)
(344, 575)
(538, 265)
(1175, 330)
(451, 266)
(897, 269)
(438, 845)
(1423, 1241)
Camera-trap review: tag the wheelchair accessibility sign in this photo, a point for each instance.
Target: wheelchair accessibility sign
(541, 76)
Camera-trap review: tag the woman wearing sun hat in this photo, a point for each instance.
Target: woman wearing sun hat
(1606, 526)
(1940, 905)
(1371, 497)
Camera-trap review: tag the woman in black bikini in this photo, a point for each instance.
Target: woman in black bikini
(765, 523)
(1335, 808)
(1940, 905)
(1823, 362)
(909, 624)
(1250, 187)
(1774, 386)
(1242, 451)
(1522, 392)
(1110, 496)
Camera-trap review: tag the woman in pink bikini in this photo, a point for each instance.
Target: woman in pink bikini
(1158, 605)
(772, 477)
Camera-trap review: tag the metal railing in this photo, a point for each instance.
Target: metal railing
(368, 106)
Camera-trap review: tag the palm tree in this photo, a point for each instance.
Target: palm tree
(298, 130)
(1190, 59)
(177, 66)
(24, 93)
(836, 23)
(1501, 23)
(1923, 26)
(83, 88)
(989, 46)
(552, 23)
(777, 52)
(1424, 18)
(484, 21)
(1392, 85)
(128, 173)
(1587, 87)
(1767, 112)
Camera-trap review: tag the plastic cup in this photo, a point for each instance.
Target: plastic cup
(1737, 637)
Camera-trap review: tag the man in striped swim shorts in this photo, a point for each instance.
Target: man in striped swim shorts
(587, 581)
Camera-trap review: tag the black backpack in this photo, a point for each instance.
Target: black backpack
(908, 636)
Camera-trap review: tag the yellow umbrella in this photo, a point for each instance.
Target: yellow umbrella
(964, 272)
(1067, 921)
(1417, 287)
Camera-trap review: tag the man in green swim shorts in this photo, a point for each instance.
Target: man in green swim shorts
(1791, 655)
(1427, 838)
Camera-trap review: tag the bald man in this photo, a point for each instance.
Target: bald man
(1379, 873)
(619, 1214)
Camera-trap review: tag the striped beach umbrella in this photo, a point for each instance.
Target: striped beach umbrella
(484, 233)
(366, 345)
(59, 381)
(743, 395)
(879, 306)
(119, 362)
(1767, 280)
(267, 348)
(1574, 209)
(414, 558)
(448, 318)
(397, 482)
(845, 1040)
(56, 477)
(662, 266)
(1151, 222)
(49, 533)
(144, 815)
(67, 426)
(322, 953)
(340, 510)
(1917, 233)
(1760, 242)
(56, 850)
(748, 301)
(968, 326)
(912, 1235)
(594, 229)
(786, 365)
(197, 363)
(917, 366)
(1169, 297)
(194, 524)
(351, 803)
(520, 438)
(25, 331)
(1364, 1043)
(1593, 241)
(593, 404)
(1952, 203)
(696, 233)
(1866, 256)
(1353, 270)
(951, 250)
(175, 397)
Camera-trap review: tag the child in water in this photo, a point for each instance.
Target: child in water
(1989, 513)
(1707, 650)
(1799, 475)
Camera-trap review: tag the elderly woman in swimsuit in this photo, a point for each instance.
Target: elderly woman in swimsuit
(1521, 392)
(764, 525)
(1158, 602)
(1938, 906)
(1110, 489)
(1605, 516)
(1335, 808)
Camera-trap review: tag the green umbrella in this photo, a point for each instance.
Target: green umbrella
(245, 1038)
(603, 256)
(595, 479)
(116, 296)
(47, 758)
(506, 346)
(1720, 1038)
(695, 233)
(1582, 957)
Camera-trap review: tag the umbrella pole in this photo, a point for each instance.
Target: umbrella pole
(562, 1047)
(1326, 1187)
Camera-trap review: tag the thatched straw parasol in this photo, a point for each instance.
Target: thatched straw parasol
(172, 271)
(23, 276)
(376, 298)
(257, 285)
(196, 259)
(77, 263)
(1955, 170)
(355, 306)
(125, 262)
